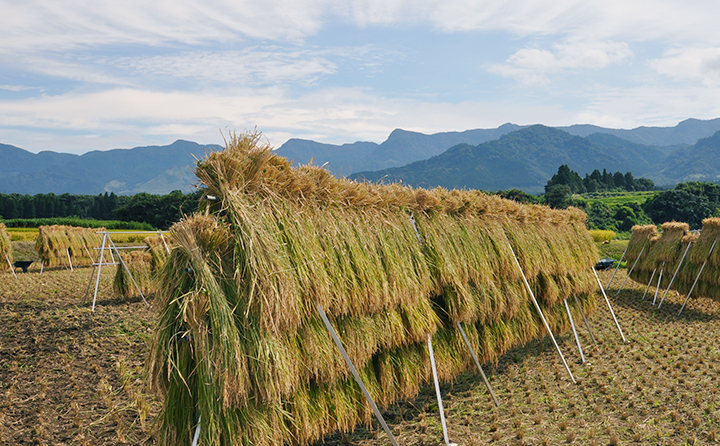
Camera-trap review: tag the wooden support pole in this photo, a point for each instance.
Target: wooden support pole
(697, 278)
(572, 324)
(542, 316)
(587, 324)
(658, 285)
(477, 363)
(12, 269)
(649, 282)
(674, 275)
(355, 374)
(437, 390)
(617, 267)
(609, 306)
(630, 272)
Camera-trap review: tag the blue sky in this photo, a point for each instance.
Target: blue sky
(94, 75)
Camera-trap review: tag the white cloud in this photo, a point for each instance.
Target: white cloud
(533, 65)
(695, 64)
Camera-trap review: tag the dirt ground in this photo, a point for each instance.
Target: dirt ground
(70, 376)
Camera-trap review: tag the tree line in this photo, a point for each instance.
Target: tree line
(160, 211)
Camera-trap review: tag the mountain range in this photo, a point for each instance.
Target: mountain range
(510, 156)
(152, 169)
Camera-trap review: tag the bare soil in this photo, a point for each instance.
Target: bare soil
(70, 376)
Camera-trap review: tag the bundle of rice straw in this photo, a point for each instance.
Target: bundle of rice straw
(239, 340)
(139, 263)
(143, 265)
(5, 248)
(54, 242)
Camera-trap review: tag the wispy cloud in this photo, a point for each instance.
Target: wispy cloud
(694, 64)
(534, 65)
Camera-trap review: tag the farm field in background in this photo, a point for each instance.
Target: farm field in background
(618, 198)
(70, 376)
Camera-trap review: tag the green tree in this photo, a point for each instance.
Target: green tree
(679, 205)
(557, 196)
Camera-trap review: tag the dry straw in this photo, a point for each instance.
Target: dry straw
(5, 248)
(239, 342)
(144, 265)
(54, 242)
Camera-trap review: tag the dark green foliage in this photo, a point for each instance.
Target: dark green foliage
(567, 177)
(557, 196)
(519, 196)
(158, 211)
(679, 205)
(77, 222)
(618, 218)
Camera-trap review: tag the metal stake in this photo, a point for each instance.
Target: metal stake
(196, 437)
(618, 267)
(697, 278)
(630, 272)
(587, 324)
(128, 271)
(649, 282)
(70, 260)
(477, 363)
(12, 270)
(542, 316)
(99, 268)
(674, 275)
(437, 390)
(42, 265)
(572, 324)
(609, 306)
(355, 373)
(658, 285)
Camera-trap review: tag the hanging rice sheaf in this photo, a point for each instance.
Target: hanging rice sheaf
(5, 248)
(56, 243)
(240, 344)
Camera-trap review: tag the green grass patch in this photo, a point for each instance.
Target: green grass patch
(612, 250)
(77, 222)
(618, 198)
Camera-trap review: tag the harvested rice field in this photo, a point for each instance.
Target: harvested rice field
(69, 376)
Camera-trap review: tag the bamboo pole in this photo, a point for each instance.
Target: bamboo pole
(697, 278)
(542, 316)
(618, 266)
(662, 268)
(674, 275)
(477, 363)
(649, 282)
(630, 272)
(437, 390)
(572, 324)
(355, 374)
(12, 270)
(128, 271)
(609, 306)
(587, 324)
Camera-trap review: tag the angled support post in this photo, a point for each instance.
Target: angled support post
(572, 324)
(437, 390)
(697, 278)
(649, 282)
(128, 271)
(617, 267)
(630, 272)
(587, 324)
(99, 268)
(70, 260)
(356, 375)
(542, 316)
(477, 363)
(609, 306)
(657, 289)
(674, 275)
(12, 270)
(196, 437)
